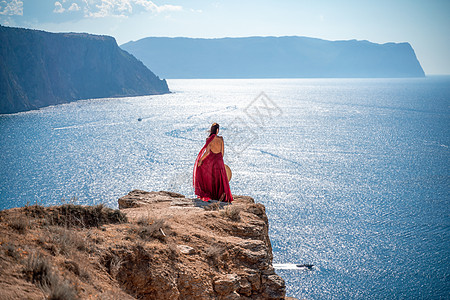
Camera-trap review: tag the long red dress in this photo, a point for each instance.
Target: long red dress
(210, 179)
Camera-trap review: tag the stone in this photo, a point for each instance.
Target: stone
(268, 271)
(245, 288)
(252, 251)
(227, 284)
(184, 249)
(243, 199)
(255, 281)
(256, 209)
(193, 286)
(274, 287)
(171, 194)
(138, 198)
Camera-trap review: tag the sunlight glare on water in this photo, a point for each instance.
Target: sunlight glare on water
(354, 173)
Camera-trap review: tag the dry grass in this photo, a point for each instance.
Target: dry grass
(152, 228)
(77, 269)
(72, 266)
(10, 250)
(70, 215)
(112, 263)
(232, 212)
(115, 265)
(213, 206)
(20, 224)
(39, 271)
(214, 253)
(68, 240)
(62, 291)
(35, 211)
(144, 220)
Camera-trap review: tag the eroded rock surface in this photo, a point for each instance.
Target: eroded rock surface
(227, 247)
(159, 245)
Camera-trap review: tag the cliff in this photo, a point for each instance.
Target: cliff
(40, 68)
(159, 245)
(274, 57)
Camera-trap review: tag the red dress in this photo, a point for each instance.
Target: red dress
(210, 179)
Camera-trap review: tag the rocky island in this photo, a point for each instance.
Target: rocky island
(39, 68)
(158, 245)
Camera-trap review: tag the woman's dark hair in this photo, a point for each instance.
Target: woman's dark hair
(214, 129)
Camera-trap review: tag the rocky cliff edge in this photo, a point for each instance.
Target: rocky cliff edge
(39, 68)
(158, 245)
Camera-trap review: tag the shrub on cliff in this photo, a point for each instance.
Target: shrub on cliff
(39, 271)
(232, 212)
(66, 241)
(19, 224)
(70, 215)
(152, 228)
(87, 216)
(214, 252)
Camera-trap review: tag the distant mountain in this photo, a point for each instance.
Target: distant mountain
(39, 68)
(274, 57)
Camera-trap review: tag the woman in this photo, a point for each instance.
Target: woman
(210, 176)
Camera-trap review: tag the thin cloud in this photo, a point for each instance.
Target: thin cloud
(168, 7)
(74, 7)
(114, 8)
(59, 9)
(150, 6)
(11, 8)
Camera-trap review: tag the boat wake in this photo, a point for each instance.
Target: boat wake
(293, 266)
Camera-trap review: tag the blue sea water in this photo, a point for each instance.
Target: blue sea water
(354, 173)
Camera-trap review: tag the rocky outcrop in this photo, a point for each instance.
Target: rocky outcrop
(274, 57)
(39, 68)
(225, 250)
(159, 245)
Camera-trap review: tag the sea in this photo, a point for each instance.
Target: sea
(354, 173)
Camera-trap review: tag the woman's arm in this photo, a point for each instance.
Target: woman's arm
(223, 146)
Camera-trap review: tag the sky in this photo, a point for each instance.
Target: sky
(425, 24)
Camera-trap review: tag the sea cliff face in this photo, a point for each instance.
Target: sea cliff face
(39, 68)
(274, 57)
(159, 245)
